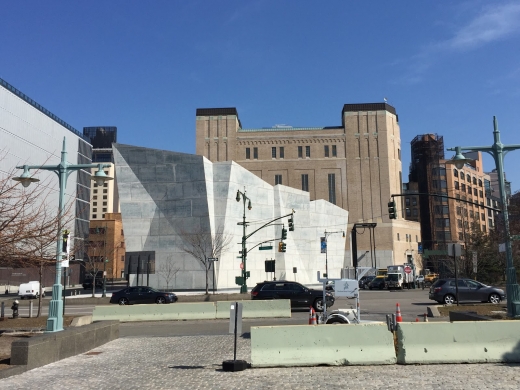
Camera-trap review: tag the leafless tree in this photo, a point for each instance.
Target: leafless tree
(203, 245)
(168, 270)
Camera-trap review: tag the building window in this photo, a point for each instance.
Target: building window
(332, 188)
(248, 153)
(459, 210)
(300, 151)
(475, 181)
(273, 152)
(456, 185)
(105, 191)
(94, 210)
(255, 153)
(94, 204)
(484, 228)
(305, 182)
(463, 187)
(123, 258)
(469, 190)
(408, 212)
(490, 222)
(480, 193)
(414, 201)
(460, 237)
(475, 192)
(459, 223)
(95, 191)
(483, 216)
(277, 179)
(95, 184)
(398, 238)
(94, 197)
(94, 216)
(105, 184)
(326, 150)
(407, 201)
(489, 213)
(104, 197)
(488, 200)
(307, 151)
(471, 215)
(455, 173)
(282, 154)
(104, 203)
(468, 178)
(480, 183)
(334, 151)
(104, 210)
(415, 213)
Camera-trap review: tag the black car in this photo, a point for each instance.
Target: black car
(299, 295)
(365, 280)
(142, 294)
(87, 284)
(377, 283)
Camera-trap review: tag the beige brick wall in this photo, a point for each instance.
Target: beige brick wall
(367, 167)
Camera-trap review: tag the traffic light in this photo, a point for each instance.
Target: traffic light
(281, 246)
(291, 224)
(392, 212)
(65, 242)
(284, 234)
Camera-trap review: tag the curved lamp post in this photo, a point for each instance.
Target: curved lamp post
(242, 195)
(498, 150)
(63, 170)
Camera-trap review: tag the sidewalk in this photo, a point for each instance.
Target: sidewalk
(195, 362)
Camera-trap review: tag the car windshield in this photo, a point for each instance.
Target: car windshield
(393, 277)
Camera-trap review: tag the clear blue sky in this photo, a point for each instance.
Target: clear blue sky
(146, 66)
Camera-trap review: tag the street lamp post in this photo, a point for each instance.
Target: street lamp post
(498, 150)
(242, 195)
(63, 170)
(327, 249)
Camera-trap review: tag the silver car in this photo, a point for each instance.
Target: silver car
(444, 291)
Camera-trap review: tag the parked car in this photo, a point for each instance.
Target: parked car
(419, 279)
(431, 278)
(365, 280)
(142, 294)
(30, 290)
(299, 295)
(444, 291)
(87, 284)
(377, 283)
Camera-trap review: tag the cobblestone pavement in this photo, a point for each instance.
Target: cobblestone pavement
(194, 362)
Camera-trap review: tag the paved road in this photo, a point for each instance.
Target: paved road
(194, 362)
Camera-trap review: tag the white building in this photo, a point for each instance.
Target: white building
(165, 195)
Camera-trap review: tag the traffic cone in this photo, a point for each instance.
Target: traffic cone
(312, 317)
(398, 317)
(416, 319)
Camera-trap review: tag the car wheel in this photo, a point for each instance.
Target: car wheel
(318, 304)
(160, 300)
(449, 299)
(494, 298)
(123, 301)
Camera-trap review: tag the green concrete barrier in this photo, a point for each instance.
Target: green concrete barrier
(335, 345)
(258, 309)
(458, 342)
(176, 311)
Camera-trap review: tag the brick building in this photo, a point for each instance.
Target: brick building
(355, 165)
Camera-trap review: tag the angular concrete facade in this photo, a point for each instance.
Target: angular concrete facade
(165, 195)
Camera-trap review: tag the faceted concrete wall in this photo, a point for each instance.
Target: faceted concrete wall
(166, 195)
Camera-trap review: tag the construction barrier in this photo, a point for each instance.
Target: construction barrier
(280, 308)
(335, 345)
(154, 312)
(192, 311)
(458, 342)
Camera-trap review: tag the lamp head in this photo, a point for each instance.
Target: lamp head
(238, 196)
(459, 160)
(100, 177)
(249, 205)
(26, 178)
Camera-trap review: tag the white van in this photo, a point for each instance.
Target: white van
(30, 290)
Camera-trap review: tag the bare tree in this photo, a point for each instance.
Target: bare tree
(168, 270)
(203, 245)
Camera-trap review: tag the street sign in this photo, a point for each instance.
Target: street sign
(241, 265)
(215, 258)
(408, 270)
(346, 288)
(265, 248)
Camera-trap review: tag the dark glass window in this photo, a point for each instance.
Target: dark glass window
(282, 152)
(255, 153)
(307, 151)
(277, 179)
(305, 182)
(273, 152)
(334, 151)
(248, 153)
(300, 151)
(332, 188)
(326, 150)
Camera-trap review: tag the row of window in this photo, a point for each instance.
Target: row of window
(408, 238)
(328, 151)
(467, 177)
(462, 187)
(305, 184)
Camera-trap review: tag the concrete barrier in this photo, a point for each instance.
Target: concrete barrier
(48, 348)
(458, 342)
(335, 345)
(258, 309)
(177, 311)
(81, 321)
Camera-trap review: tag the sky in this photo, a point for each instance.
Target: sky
(146, 66)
